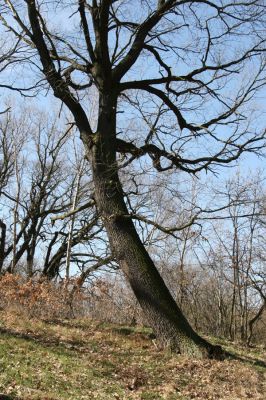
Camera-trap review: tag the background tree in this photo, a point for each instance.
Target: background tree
(34, 219)
(171, 65)
(229, 256)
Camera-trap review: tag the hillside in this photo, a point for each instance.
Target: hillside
(82, 360)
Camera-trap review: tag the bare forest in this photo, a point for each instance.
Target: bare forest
(133, 188)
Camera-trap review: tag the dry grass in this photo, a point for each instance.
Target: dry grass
(83, 359)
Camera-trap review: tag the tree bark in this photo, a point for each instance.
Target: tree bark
(252, 322)
(2, 243)
(162, 313)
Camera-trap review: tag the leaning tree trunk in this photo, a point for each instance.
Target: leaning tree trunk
(162, 313)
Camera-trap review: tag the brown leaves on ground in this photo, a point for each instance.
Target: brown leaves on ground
(103, 361)
(212, 380)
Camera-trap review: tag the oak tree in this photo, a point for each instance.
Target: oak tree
(187, 70)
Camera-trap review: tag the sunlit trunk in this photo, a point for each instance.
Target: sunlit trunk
(162, 313)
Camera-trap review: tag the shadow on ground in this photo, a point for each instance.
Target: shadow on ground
(66, 324)
(46, 341)
(246, 359)
(80, 346)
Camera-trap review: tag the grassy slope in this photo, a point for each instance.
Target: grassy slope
(78, 360)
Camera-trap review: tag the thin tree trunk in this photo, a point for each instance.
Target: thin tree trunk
(182, 273)
(72, 223)
(2, 244)
(30, 258)
(254, 320)
(220, 311)
(253, 223)
(15, 212)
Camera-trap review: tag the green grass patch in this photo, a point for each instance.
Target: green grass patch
(84, 360)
